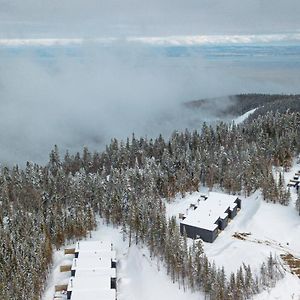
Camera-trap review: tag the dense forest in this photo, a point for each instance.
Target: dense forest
(42, 207)
(237, 105)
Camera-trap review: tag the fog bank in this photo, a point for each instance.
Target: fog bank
(88, 95)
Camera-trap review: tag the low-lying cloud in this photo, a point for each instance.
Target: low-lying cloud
(89, 94)
(73, 100)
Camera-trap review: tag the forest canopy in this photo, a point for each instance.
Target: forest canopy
(45, 206)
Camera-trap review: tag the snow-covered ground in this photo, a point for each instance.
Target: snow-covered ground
(273, 227)
(138, 276)
(286, 289)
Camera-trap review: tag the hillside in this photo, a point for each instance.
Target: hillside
(131, 186)
(237, 105)
(138, 273)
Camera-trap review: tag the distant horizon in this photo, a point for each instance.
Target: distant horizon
(168, 40)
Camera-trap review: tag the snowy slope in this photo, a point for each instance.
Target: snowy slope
(139, 277)
(272, 226)
(142, 278)
(243, 117)
(286, 289)
(272, 223)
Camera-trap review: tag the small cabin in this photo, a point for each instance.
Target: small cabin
(100, 285)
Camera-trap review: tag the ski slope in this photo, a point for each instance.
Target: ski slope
(243, 117)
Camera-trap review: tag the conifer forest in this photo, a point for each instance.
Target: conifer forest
(42, 207)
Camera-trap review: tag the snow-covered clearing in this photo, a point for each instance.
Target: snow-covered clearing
(138, 277)
(286, 289)
(273, 227)
(142, 278)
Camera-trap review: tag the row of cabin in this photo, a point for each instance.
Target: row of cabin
(93, 271)
(209, 216)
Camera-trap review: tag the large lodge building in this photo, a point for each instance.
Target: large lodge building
(210, 215)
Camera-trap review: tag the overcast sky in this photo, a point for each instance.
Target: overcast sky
(97, 18)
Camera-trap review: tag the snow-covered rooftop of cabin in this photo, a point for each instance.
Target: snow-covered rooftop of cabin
(84, 282)
(93, 260)
(104, 254)
(94, 294)
(109, 272)
(91, 246)
(93, 275)
(210, 210)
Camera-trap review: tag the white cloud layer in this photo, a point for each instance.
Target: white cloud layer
(161, 41)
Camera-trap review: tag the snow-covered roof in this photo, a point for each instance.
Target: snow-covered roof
(94, 294)
(91, 246)
(84, 282)
(93, 274)
(93, 260)
(210, 210)
(104, 254)
(109, 272)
